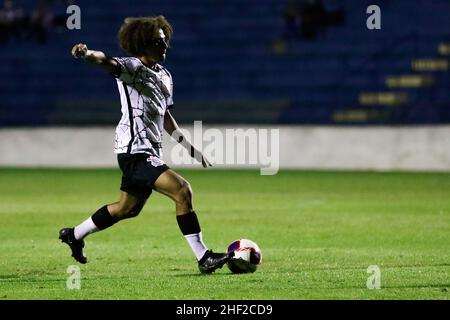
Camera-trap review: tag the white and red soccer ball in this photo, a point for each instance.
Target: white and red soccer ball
(247, 256)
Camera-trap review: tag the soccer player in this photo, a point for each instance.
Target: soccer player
(145, 88)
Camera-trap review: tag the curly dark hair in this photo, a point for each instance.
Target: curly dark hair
(136, 33)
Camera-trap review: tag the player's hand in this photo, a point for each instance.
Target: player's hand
(205, 162)
(197, 155)
(79, 50)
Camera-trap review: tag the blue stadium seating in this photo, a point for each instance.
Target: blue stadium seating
(224, 52)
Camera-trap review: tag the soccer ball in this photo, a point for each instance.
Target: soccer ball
(247, 256)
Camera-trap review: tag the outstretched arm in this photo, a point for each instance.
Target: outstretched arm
(98, 58)
(171, 126)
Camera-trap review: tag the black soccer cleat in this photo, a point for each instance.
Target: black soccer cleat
(67, 236)
(212, 261)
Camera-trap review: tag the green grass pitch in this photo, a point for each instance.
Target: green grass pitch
(318, 232)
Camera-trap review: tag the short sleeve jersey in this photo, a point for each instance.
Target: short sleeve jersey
(145, 95)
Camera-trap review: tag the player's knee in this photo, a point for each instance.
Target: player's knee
(129, 211)
(133, 212)
(184, 194)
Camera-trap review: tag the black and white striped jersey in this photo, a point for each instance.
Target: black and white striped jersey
(145, 94)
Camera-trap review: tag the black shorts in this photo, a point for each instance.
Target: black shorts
(139, 173)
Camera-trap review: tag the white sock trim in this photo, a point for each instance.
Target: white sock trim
(195, 240)
(85, 228)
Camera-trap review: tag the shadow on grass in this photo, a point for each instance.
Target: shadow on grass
(211, 275)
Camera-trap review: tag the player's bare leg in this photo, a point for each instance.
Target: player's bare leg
(179, 190)
(128, 206)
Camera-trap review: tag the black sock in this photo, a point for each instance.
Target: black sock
(188, 223)
(103, 219)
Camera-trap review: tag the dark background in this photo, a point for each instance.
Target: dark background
(236, 62)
